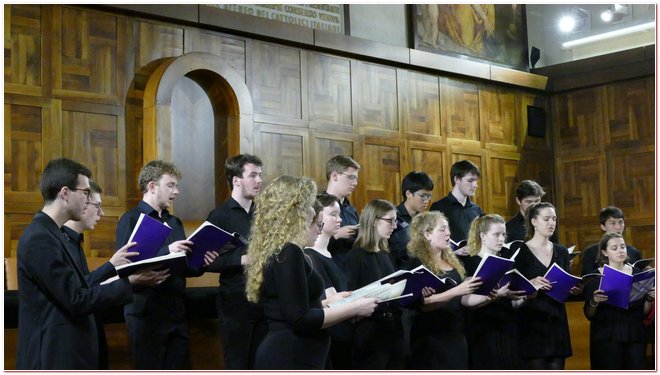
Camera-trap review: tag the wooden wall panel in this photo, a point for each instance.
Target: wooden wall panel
(642, 237)
(89, 49)
(502, 182)
(15, 224)
(578, 116)
(91, 138)
(381, 175)
(282, 150)
(420, 105)
(376, 90)
(459, 109)
(629, 112)
(100, 242)
(23, 48)
(275, 80)
(497, 112)
(630, 185)
(329, 87)
(231, 50)
(23, 147)
(154, 41)
(580, 194)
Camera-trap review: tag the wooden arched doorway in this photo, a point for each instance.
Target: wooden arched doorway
(197, 111)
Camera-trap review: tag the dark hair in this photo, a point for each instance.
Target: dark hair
(602, 245)
(416, 180)
(531, 213)
(234, 166)
(94, 188)
(339, 163)
(461, 168)
(326, 199)
(608, 212)
(58, 174)
(154, 170)
(528, 188)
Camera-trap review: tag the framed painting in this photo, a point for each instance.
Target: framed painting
(493, 32)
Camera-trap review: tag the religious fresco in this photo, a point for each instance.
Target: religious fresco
(493, 32)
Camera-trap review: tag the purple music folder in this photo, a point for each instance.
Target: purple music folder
(209, 237)
(490, 270)
(562, 283)
(150, 234)
(517, 282)
(618, 286)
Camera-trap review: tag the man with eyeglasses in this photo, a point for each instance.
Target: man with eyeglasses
(342, 174)
(73, 234)
(56, 325)
(242, 323)
(416, 189)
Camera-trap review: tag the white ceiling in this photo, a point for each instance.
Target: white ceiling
(543, 31)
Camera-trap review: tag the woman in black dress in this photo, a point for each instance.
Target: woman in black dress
(333, 278)
(377, 340)
(492, 333)
(617, 335)
(437, 335)
(282, 279)
(544, 338)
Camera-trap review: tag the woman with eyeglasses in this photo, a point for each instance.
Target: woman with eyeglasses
(437, 334)
(491, 330)
(617, 336)
(377, 340)
(283, 280)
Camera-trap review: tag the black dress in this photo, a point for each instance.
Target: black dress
(378, 339)
(542, 321)
(617, 336)
(491, 330)
(291, 297)
(437, 337)
(340, 334)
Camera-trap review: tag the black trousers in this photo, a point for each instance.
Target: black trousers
(378, 344)
(242, 327)
(606, 355)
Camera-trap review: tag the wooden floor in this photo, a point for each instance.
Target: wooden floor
(206, 350)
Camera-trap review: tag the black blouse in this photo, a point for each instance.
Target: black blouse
(614, 324)
(291, 292)
(332, 275)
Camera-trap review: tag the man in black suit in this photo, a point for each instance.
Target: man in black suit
(56, 325)
(73, 234)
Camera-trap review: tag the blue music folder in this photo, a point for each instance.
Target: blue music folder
(209, 237)
(150, 234)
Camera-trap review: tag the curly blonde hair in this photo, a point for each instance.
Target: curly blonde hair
(481, 225)
(419, 246)
(281, 216)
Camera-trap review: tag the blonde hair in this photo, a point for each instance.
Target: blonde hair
(419, 246)
(368, 238)
(481, 225)
(281, 216)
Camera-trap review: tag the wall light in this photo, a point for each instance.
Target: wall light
(609, 35)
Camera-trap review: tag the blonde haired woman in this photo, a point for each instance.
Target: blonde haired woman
(282, 279)
(491, 331)
(437, 334)
(378, 340)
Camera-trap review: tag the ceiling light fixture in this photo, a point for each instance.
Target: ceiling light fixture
(609, 35)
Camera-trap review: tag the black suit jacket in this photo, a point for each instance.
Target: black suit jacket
(56, 325)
